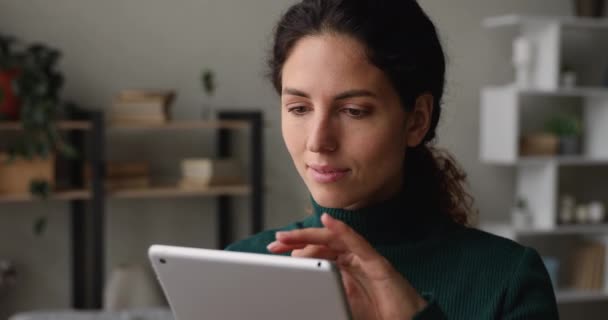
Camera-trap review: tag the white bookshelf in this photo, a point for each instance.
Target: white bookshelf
(562, 161)
(574, 296)
(507, 112)
(517, 20)
(503, 109)
(506, 230)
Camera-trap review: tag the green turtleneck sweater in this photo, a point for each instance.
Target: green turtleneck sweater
(463, 273)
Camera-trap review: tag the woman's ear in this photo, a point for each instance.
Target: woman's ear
(419, 119)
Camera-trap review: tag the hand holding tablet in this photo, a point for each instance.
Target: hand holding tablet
(223, 285)
(374, 289)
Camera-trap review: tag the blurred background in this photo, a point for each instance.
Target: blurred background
(128, 123)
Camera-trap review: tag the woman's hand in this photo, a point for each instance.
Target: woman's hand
(375, 290)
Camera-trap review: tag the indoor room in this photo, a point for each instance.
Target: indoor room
(445, 159)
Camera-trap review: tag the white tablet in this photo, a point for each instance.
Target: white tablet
(223, 285)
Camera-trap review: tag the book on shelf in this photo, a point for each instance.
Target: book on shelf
(122, 169)
(200, 173)
(166, 96)
(127, 183)
(589, 265)
(142, 106)
(123, 175)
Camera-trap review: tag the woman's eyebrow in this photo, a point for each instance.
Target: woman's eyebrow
(296, 92)
(344, 95)
(354, 94)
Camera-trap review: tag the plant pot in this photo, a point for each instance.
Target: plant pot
(17, 175)
(9, 103)
(539, 144)
(569, 145)
(589, 8)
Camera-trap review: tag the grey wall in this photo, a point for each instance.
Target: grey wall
(115, 44)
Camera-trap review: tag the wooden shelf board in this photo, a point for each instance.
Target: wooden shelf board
(563, 160)
(506, 230)
(180, 125)
(569, 92)
(542, 160)
(58, 195)
(566, 21)
(62, 125)
(559, 92)
(573, 296)
(566, 230)
(175, 191)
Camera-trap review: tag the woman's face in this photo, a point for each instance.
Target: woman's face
(342, 122)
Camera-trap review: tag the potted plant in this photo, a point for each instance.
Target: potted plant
(208, 85)
(568, 129)
(30, 89)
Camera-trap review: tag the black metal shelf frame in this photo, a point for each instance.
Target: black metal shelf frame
(88, 216)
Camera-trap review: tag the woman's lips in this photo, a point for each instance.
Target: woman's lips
(326, 174)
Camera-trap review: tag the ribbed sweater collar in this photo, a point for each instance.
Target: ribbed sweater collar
(388, 222)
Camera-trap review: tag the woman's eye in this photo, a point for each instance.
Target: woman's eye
(298, 111)
(355, 113)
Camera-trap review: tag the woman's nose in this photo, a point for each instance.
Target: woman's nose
(322, 136)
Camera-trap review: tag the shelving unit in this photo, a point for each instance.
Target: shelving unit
(573, 296)
(182, 125)
(63, 125)
(518, 20)
(58, 195)
(176, 192)
(508, 111)
(508, 231)
(87, 205)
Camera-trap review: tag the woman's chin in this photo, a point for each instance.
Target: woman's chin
(331, 200)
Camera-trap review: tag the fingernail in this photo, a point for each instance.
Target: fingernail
(280, 234)
(271, 246)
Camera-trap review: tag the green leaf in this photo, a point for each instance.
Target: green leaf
(44, 149)
(38, 87)
(208, 82)
(68, 151)
(40, 188)
(40, 225)
(564, 125)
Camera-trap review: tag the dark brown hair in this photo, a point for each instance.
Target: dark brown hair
(401, 40)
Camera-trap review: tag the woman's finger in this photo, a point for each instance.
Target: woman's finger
(350, 239)
(279, 247)
(336, 235)
(314, 251)
(314, 236)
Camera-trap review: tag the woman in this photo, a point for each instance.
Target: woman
(361, 83)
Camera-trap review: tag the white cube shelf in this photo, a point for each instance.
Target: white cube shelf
(561, 41)
(503, 107)
(508, 112)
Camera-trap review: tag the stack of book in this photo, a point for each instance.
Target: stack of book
(124, 175)
(142, 106)
(589, 266)
(202, 173)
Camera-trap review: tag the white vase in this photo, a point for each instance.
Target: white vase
(596, 211)
(131, 286)
(523, 60)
